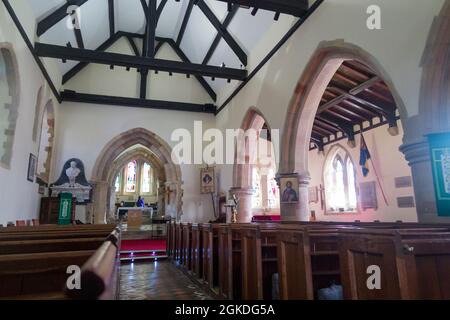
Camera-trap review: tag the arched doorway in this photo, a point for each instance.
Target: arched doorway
(298, 136)
(254, 178)
(149, 180)
(117, 152)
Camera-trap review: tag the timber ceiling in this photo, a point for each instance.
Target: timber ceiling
(212, 38)
(355, 95)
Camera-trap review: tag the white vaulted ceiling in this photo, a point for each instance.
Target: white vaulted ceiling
(246, 29)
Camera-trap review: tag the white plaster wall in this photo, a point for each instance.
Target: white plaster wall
(398, 48)
(19, 198)
(389, 163)
(86, 128)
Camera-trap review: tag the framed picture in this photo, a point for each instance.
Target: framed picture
(32, 164)
(289, 189)
(207, 180)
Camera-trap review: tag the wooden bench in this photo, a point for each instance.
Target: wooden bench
(187, 239)
(196, 256)
(37, 269)
(99, 275)
(414, 264)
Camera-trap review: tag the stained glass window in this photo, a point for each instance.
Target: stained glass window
(117, 183)
(257, 195)
(273, 192)
(131, 177)
(147, 178)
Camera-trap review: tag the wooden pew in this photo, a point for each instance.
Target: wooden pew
(187, 239)
(99, 275)
(206, 252)
(179, 243)
(196, 256)
(225, 260)
(413, 263)
(37, 274)
(58, 245)
(247, 264)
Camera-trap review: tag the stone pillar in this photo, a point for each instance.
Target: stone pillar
(296, 211)
(162, 201)
(99, 202)
(244, 195)
(418, 156)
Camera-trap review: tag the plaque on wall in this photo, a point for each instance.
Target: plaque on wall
(313, 194)
(403, 182)
(368, 195)
(73, 180)
(405, 202)
(440, 163)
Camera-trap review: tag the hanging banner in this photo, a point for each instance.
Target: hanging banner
(65, 208)
(440, 163)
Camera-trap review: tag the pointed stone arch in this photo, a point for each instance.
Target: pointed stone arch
(46, 142)
(302, 110)
(242, 173)
(104, 167)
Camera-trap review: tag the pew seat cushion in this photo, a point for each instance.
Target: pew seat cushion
(334, 292)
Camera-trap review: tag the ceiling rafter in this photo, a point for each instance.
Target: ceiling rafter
(148, 45)
(92, 56)
(218, 37)
(184, 24)
(73, 96)
(240, 53)
(292, 7)
(112, 22)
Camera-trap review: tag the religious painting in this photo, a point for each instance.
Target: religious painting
(440, 162)
(32, 164)
(207, 180)
(289, 189)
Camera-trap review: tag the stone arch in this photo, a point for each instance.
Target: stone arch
(37, 112)
(46, 141)
(104, 166)
(9, 103)
(303, 107)
(242, 186)
(144, 155)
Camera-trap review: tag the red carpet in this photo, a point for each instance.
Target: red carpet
(141, 245)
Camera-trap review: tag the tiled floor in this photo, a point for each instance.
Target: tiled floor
(157, 281)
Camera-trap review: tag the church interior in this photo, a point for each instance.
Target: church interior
(224, 150)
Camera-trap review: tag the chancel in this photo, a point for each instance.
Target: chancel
(224, 150)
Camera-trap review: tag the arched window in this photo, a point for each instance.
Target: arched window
(131, 177)
(340, 182)
(9, 103)
(266, 194)
(147, 182)
(117, 183)
(136, 178)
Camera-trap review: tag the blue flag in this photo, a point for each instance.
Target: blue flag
(364, 157)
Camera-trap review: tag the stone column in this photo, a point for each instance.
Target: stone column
(162, 201)
(418, 156)
(244, 195)
(296, 211)
(99, 202)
